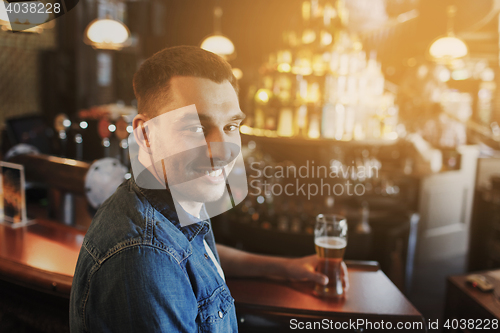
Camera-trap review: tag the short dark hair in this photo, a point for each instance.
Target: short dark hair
(152, 80)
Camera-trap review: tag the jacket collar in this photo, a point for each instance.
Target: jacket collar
(162, 201)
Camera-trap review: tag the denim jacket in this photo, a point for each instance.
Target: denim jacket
(140, 271)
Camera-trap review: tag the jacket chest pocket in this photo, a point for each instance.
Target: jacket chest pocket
(216, 313)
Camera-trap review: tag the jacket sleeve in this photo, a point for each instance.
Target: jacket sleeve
(140, 289)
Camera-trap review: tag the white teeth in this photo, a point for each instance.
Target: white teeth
(215, 173)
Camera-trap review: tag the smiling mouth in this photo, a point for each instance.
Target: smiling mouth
(214, 173)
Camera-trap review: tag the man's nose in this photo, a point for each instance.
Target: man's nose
(219, 149)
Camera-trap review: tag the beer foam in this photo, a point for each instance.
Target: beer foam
(330, 242)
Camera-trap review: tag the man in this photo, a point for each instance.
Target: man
(148, 262)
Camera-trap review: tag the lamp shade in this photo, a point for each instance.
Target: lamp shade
(106, 34)
(448, 47)
(218, 44)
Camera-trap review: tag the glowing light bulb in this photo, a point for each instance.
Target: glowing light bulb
(106, 34)
(218, 44)
(449, 47)
(263, 95)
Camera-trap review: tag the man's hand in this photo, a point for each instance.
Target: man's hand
(236, 263)
(304, 269)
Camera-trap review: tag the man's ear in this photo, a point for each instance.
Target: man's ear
(140, 132)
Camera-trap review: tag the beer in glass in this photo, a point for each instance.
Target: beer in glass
(330, 239)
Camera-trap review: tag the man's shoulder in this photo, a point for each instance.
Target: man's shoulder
(128, 219)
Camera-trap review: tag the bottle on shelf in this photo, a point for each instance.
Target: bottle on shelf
(283, 220)
(321, 84)
(363, 227)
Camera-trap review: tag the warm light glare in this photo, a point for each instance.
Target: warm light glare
(284, 68)
(392, 136)
(306, 10)
(448, 48)
(285, 123)
(302, 66)
(308, 36)
(218, 44)
(407, 16)
(313, 132)
(238, 73)
(444, 75)
(460, 74)
(285, 57)
(263, 95)
(106, 34)
(244, 129)
(488, 75)
(326, 38)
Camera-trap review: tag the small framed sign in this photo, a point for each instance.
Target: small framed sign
(13, 194)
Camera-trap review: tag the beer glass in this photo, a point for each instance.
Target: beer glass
(330, 240)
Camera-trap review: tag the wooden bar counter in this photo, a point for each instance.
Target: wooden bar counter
(42, 258)
(271, 305)
(37, 263)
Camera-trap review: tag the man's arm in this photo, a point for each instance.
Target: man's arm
(236, 263)
(140, 289)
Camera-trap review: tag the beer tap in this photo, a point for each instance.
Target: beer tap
(363, 227)
(122, 134)
(82, 126)
(61, 125)
(79, 146)
(104, 129)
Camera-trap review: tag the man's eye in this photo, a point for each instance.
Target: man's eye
(196, 129)
(232, 128)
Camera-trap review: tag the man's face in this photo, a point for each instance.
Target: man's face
(199, 132)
